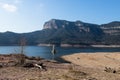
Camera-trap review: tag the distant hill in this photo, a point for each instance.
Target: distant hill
(67, 32)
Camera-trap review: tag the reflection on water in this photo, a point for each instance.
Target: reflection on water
(45, 52)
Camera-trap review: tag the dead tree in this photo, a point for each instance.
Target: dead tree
(53, 51)
(22, 45)
(21, 56)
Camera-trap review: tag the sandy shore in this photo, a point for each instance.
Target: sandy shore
(95, 60)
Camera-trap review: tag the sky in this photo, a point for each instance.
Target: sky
(30, 15)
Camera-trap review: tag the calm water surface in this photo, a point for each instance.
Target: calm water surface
(45, 52)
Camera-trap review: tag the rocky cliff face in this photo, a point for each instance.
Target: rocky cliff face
(73, 32)
(55, 24)
(67, 32)
(59, 24)
(111, 28)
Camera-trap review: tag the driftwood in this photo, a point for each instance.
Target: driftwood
(39, 66)
(29, 65)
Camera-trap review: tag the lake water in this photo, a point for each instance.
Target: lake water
(45, 52)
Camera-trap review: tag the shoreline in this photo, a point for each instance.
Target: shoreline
(72, 46)
(84, 46)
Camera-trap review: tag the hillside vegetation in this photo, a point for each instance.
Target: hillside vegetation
(67, 32)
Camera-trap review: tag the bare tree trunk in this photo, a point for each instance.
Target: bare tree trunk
(22, 51)
(22, 45)
(53, 51)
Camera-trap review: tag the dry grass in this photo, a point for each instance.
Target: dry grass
(62, 71)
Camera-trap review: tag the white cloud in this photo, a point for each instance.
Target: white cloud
(8, 7)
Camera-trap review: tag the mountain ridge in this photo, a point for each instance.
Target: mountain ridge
(56, 31)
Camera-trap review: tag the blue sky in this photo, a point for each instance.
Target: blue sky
(29, 15)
